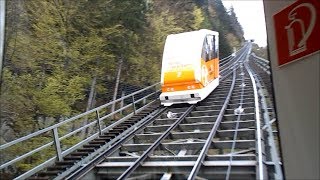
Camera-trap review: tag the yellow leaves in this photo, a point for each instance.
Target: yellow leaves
(59, 94)
(198, 18)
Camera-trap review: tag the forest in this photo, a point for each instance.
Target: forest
(65, 57)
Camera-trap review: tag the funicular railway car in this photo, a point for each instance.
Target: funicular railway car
(190, 67)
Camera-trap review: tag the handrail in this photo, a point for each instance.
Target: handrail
(73, 118)
(54, 128)
(260, 58)
(227, 70)
(233, 58)
(2, 32)
(267, 127)
(261, 63)
(226, 60)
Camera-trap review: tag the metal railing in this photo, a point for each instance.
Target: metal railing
(2, 31)
(261, 60)
(262, 63)
(99, 114)
(275, 158)
(227, 69)
(230, 60)
(267, 128)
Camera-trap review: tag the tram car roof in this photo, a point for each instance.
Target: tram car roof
(186, 46)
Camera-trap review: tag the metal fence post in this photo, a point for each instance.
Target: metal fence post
(122, 101)
(134, 105)
(144, 101)
(98, 122)
(57, 143)
(2, 31)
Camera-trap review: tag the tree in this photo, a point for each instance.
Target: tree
(61, 55)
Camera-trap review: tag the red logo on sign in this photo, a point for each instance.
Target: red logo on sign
(297, 30)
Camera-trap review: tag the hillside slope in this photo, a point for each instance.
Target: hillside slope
(60, 54)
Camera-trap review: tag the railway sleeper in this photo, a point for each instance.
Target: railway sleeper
(49, 173)
(122, 128)
(128, 124)
(109, 136)
(96, 146)
(124, 124)
(119, 129)
(65, 163)
(133, 120)
(144, 113)
(97, 142)
(73, 158)
(138, 116)
(39, 178)
(58, 168)
(106, 139)
(86, 150)
(106, 136)
(112, 133)
(80, 153)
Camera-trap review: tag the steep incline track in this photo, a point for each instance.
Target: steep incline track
(218, 138)
(178, 153)
(215, 138)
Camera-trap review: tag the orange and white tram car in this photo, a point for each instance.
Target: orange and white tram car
(190, 67)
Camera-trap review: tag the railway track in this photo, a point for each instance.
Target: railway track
(262, 74)
(218, 138)
(203, 141)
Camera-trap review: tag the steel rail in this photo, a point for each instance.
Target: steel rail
(265, 68)
(260, 165)
(261, 59)
(231, 62)
(234, 62)
(213, 131)
(225, 73)
(236, 129)
(274, 155)
(261, 63)
(230, 56)
(225, 58)
(88, 167)
(139, 161)
(225, 61)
